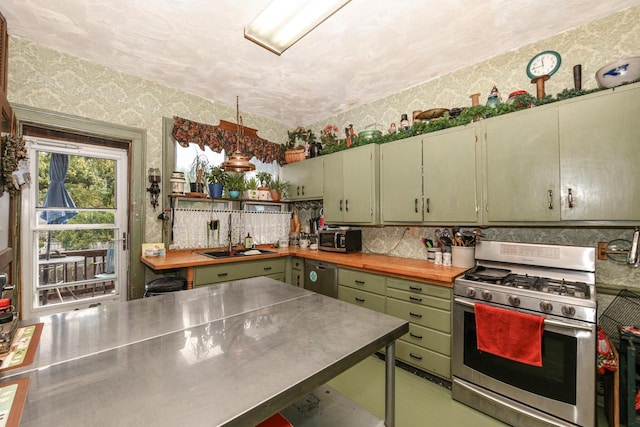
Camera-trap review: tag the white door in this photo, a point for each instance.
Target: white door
(74, 216)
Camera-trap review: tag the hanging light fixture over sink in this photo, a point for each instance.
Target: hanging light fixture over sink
(238, 162)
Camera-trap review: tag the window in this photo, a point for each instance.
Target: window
(185, 157)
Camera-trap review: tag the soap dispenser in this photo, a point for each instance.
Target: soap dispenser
(248, 241)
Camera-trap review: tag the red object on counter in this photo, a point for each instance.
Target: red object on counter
(509, 334)
(276, 420)
(5, 303)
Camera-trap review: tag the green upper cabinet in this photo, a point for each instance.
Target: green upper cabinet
(350, 185)
(401, 181)
(431, 178)
(600, 156)
(522, 167)
(305, 179)
(450, 165)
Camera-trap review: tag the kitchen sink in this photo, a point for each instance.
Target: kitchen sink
(236, 253)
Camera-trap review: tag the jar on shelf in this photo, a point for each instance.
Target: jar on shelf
(177, 182)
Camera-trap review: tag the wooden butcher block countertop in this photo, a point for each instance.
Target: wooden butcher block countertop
(412, 269)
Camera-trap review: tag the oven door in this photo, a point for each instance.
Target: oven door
(563, 387)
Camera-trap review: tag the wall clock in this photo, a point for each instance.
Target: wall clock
(544, 64)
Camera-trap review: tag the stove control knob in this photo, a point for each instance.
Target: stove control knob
(486, 295)
(568, 310)
(471, 292)
(514, 300)
(546, 306)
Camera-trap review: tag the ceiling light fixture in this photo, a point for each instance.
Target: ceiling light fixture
(237, 162)
(284, 22)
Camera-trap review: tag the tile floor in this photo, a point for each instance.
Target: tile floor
(419, 402)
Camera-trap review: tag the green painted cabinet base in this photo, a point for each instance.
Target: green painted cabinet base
(218, 273)
(425, 359)
(362, 298)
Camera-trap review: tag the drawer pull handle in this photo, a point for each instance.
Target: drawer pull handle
(415, 357)
(412, 335)
(267, 268)
(360, 282)
(412, 314)
(415, 288)
(222, 274)
(359, 299)
(415, 299)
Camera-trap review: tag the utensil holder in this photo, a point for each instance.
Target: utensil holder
(463, 256)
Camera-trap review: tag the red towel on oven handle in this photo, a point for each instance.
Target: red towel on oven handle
(509, 334)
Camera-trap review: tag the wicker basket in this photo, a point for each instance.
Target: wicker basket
(296, 155)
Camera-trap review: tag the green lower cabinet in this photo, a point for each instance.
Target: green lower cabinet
(429, 317)
(218, 273)
(362, 298)
(429, 339)
(427, 307)
(422, 358)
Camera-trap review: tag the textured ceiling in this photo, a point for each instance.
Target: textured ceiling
(366, 51)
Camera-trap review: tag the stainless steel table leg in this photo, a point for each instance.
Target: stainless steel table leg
(390, 386)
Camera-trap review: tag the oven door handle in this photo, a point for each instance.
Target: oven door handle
(546, 321)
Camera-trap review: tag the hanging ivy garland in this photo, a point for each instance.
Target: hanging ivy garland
(13, 151)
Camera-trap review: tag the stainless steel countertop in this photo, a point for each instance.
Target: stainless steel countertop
(231, 354)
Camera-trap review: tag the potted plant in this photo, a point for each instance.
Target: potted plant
(216, 178)
(235, 184)
(298, 144)
(196, 170)
(251, 188)
(279, 189)
(265, 179)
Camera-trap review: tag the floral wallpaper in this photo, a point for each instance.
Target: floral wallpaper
(47, 79)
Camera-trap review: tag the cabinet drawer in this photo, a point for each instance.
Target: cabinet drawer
(363, 281)
(417, 298)
(297, 263)
(424, 359)
(237, 270)
(429, 339)
(425, 316)
(423, 288)
(365, 299)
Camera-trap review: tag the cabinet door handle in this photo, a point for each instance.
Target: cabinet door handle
(570, 198)
(412, 335)
(415, 299)
(415, 357)
(303, 190)
(415, 288)
(428, 205)
(222, 274)
(346, 205)
(359, 299)
(415, 205)
(298, 281)
(298, 190)
(340, 205)
(359, 282)
(267, 268)
(550, 199)
(412, 314)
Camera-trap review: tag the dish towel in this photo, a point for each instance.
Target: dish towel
(509, 334)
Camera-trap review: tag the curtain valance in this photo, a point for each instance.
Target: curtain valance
(224, 137)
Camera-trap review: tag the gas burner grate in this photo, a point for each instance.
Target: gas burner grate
(562, 287)
(522, 281)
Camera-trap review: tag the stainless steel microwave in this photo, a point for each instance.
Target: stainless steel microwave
(335, 240)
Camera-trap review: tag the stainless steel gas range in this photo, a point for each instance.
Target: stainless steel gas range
(551, 281)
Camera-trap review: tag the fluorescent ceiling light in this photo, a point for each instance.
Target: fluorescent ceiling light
(284, 22)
